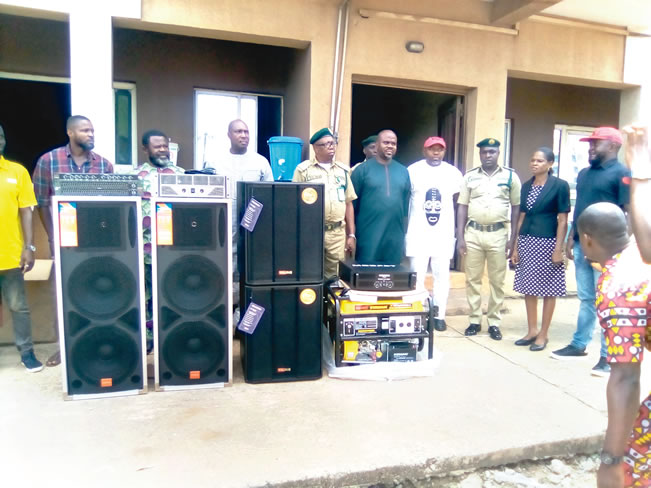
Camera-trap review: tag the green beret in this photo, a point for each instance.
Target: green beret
(488, 142)
(369, 140)
(319, 134)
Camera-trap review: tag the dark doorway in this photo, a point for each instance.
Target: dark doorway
(412, 114)
(33, 118)
(269, 122)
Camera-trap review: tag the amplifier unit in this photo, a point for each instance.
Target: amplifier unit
(91, 184)
(193, 186)
(377, 277)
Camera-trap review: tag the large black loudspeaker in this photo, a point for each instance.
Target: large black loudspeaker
(100, 295)
(192, 298)
(286, 344)
(286, 245)
(281, 269)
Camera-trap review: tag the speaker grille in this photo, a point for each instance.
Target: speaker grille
(102, 287)
(193, 284)
(196, 346)
(105, 352)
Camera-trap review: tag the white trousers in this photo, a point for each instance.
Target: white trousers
(441, 274)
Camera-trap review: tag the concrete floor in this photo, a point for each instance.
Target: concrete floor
(489, 403)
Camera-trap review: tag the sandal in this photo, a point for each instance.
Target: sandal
(54, 360)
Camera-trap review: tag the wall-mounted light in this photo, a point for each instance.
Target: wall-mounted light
(415, 46)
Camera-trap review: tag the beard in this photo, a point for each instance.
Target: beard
(87, 146)
(596, 161)
(160, 161)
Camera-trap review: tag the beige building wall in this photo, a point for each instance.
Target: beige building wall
(471, 61)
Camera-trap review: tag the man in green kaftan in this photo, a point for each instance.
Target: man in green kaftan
(382, 207)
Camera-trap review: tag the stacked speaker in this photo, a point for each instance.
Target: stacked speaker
(280, 260)
(100, 295)
(192, 301)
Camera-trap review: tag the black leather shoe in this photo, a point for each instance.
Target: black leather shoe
(494, 332)
(536, 347)
(472, 329)
(440, 325)
(525, 342)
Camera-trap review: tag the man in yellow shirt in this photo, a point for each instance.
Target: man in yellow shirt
(17, 250)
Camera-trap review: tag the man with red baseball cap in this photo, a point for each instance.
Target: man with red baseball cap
(435, 186)
(605, 180)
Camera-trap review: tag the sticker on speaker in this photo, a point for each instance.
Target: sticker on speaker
(309, 196)
(68, 224)
(307, 296)
(164, 231)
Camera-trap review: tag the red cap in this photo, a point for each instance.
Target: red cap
(434, 140)
(605, 133)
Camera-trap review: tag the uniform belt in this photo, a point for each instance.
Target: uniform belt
(487, 227)
(333, 225)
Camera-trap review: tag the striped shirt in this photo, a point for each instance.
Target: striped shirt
(60, 160)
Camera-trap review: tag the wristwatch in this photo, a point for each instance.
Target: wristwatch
(609, 459)
(31, 247)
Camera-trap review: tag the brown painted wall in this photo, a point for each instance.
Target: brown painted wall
(536, 106)
(167, 69)
(34, 46)
(297, 101)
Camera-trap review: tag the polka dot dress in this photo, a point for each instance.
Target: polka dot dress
(535, 274)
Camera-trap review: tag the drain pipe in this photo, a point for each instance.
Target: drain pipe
(341, 70)
(335, 67)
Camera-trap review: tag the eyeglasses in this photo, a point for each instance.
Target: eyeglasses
(326, 144)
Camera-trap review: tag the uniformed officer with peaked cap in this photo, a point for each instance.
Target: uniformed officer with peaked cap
(488, 200)
(338, 198)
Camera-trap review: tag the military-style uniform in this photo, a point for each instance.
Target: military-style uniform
(337, 193)
(489, 200)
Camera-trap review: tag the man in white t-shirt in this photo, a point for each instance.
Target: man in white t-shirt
(240, 165)
(435, 186)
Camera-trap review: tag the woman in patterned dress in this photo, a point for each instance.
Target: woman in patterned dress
(538, 253)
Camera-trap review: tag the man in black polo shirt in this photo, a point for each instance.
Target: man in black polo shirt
(605, 180)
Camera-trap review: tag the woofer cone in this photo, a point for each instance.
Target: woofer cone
(105, 352)
(193, 284)
(102, 287)
(194, 346)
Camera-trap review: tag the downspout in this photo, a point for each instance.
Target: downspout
(341, 70)
(335, 67)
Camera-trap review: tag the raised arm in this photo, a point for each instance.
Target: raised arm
(638, 158)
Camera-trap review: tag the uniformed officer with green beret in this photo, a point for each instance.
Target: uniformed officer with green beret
(339, 195)
(488, 200)
(369, 148)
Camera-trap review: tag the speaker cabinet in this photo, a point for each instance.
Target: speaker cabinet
(192, 299)
(100, 295)
(286, 244)
(286, 344)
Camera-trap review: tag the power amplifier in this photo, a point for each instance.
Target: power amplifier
(91, 184)
(193, 186)
(377, 277)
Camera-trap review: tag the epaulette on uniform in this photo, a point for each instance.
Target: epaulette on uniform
(343, 166)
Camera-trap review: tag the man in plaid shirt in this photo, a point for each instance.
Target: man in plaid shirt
(75, 157)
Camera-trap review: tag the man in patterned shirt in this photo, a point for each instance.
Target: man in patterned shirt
(623, 307)
(75, 157)
(156, 145)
